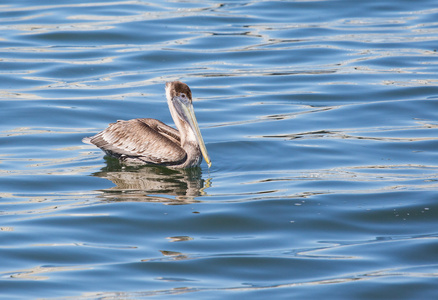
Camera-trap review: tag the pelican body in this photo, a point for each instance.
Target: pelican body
(149, 141)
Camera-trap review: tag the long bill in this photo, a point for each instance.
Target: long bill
(191, 118)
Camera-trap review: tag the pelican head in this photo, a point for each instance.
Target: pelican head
(179, 99)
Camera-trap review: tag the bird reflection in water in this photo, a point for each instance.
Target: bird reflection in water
(152, 183)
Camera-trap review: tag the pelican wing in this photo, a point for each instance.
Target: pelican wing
(149, 140)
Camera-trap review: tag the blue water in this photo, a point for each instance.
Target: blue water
(320, 117)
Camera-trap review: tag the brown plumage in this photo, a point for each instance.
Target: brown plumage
(149, 141)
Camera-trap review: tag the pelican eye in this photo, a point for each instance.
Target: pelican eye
(184, 97)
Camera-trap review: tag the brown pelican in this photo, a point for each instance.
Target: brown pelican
(149, 141)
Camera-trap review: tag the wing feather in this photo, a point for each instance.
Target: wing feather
(149, 140)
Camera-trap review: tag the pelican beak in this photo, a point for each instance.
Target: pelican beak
(189, 113)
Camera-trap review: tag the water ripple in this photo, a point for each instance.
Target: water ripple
(319, 116)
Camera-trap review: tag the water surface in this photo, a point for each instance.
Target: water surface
(320, 118)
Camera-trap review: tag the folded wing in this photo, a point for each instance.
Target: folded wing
(148, 140)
